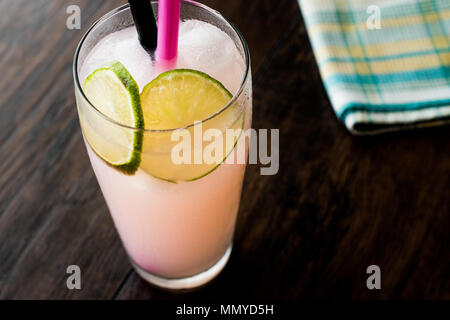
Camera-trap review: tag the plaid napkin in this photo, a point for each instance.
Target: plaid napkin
(391, 78)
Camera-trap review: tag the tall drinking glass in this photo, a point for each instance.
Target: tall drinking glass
(176, 220)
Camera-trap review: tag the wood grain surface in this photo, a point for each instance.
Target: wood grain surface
(338, 204)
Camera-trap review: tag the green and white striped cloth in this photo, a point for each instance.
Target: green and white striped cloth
(388, 78)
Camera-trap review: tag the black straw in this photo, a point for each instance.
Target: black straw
(145, 23)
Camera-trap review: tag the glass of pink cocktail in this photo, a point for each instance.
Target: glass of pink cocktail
(176, 220)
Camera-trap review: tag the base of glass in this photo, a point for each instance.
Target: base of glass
(188, 282)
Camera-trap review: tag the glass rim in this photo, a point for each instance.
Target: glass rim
(113, 12)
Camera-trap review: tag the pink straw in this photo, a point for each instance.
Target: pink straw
(168, 23)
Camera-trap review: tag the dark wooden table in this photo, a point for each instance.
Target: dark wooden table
(338, 204)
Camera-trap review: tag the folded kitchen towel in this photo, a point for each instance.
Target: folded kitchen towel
(385, 63)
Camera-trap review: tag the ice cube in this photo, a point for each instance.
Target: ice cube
(205, 47)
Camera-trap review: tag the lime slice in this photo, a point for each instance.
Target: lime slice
(113, 91)
(177, 99)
